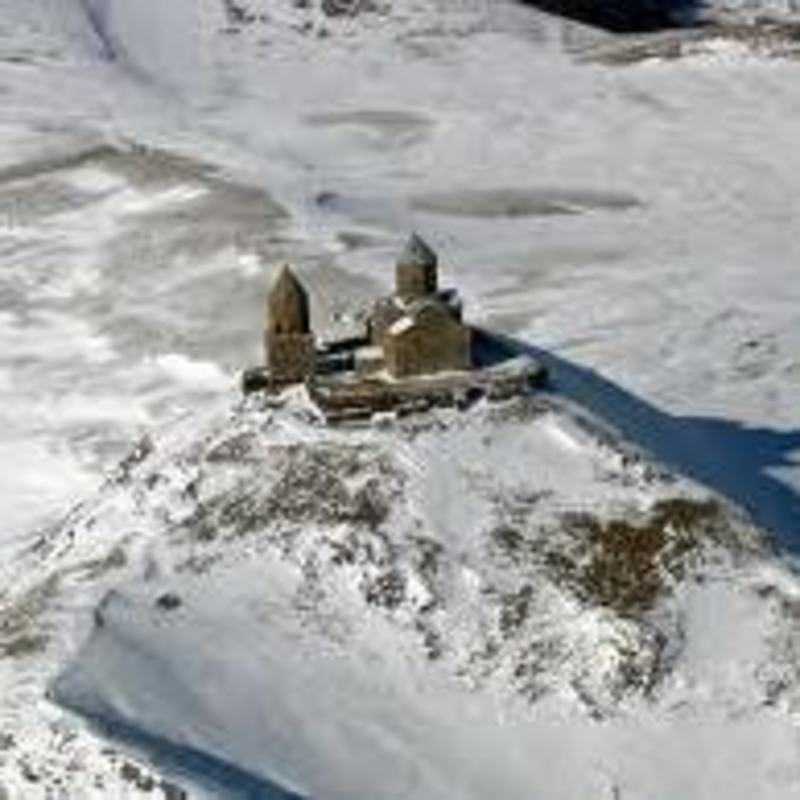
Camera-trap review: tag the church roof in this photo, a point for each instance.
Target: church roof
(418, 253)
(287, 303)
(401, 325)
(416, 310)
(284, 279)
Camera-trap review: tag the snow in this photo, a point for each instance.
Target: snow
(267, 627)
(403, 324)
(198, 375)
(631, 225)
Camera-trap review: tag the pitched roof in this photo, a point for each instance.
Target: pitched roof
(287, 303)
(401, 325)
(416, 310)
(418, 253)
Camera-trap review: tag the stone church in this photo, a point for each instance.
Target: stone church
(420, 328)
(416, 331)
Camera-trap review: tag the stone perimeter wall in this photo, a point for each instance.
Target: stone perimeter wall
(340, 403)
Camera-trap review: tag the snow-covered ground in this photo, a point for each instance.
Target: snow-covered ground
(414, 609)
(630, 222)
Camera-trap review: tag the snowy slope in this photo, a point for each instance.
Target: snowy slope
(633, 220)
(418, 590)
(632, 216)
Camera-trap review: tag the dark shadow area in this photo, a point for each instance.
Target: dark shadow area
(626, 16)
(489, 350)
(731, 458)
(95, 15)
(223, 779)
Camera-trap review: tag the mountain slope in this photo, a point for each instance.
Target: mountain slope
(295, 608)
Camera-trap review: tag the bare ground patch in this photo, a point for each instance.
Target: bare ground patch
(627, 564)
(767, 39)
(521, 202)
(22, 632)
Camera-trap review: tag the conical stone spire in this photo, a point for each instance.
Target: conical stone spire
(418, 252)
(416, 271)
(288, 340)
(287, 304)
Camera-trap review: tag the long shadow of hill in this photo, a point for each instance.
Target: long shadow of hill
(731, 458)
(625, 16)
(224, 779)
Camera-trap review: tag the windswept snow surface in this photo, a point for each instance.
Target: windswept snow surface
(410, 611)
(633, 226)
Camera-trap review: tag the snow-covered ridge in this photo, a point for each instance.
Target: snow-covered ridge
(714, 45)
(675, 317)
(512, 556)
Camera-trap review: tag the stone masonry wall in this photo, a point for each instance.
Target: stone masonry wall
(428, 348)
(415, 280)
(290, 357)
(384, 314)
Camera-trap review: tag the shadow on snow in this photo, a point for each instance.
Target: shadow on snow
(213, 774)
(626, 16)
(727, 456)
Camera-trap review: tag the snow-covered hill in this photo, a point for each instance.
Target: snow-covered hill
(518, 597)
(422, 585)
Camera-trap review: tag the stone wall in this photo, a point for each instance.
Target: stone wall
(287, 305)
(290, 357)
(433, 342)
(415, 280)
(343, 401)
(384, 314)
